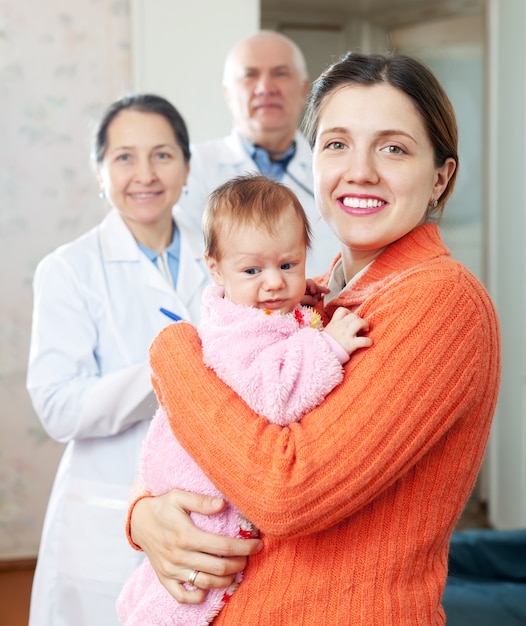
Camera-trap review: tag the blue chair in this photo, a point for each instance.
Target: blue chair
(486, 584)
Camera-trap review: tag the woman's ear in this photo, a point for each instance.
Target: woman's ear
(444, 173)
(215, 269)
(98, 176)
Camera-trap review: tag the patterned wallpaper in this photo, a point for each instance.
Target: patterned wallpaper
(61, 63)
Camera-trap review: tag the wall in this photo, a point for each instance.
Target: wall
(454, 50)
(61, 63)
(162, 41)
(506, 191)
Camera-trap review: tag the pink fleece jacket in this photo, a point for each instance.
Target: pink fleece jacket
(282, 366)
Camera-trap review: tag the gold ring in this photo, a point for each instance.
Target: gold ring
(192, 577)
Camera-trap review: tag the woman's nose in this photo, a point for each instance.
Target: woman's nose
(361, 166)
(145, 171)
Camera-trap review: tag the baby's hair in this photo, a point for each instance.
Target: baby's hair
(249, 200)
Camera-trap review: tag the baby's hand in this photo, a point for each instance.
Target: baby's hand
(345, 326)
(313, 293)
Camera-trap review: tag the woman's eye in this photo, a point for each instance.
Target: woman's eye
(123, 157)
(335, 145)
(394, 150)
(163, 156)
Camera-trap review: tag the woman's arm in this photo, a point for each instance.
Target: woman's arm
(435, 360)
(70, 395)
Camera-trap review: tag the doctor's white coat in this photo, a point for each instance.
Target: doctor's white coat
(216, 161)
(96, 311)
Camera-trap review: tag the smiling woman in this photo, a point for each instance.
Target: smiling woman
(357, 502)
(142, 169)
(98, 304)
(371, 180)
(142, 175)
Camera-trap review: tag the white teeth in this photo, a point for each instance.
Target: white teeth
(362, 203)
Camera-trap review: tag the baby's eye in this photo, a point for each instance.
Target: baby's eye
(251, 271)
(287, 266)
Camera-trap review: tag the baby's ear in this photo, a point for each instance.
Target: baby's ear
(214, 269)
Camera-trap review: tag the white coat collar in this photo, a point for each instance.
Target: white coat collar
(118, 244)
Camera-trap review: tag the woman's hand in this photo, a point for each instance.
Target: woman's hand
(162, 527)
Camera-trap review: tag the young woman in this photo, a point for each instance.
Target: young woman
(357, 502)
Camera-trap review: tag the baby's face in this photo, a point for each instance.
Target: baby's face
(263, 270)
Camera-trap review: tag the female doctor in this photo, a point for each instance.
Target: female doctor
(98, 303)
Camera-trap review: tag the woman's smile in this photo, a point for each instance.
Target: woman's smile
(362, 205)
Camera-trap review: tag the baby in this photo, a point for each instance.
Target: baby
(261, 338)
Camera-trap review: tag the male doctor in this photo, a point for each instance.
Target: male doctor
(265, 85)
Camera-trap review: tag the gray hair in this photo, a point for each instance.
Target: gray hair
(297, 54)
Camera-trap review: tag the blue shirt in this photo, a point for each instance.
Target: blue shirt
(172, 251)
(274, 169)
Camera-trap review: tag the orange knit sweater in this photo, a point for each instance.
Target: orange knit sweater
(357, 501)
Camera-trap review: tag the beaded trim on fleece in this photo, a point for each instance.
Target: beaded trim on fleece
(301, 318)
(246, 530)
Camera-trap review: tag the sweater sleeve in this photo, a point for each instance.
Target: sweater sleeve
(435, 361)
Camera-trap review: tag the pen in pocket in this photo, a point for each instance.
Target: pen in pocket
(172, 316)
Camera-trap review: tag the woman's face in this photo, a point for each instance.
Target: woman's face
(374, 170)
(143, 170)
